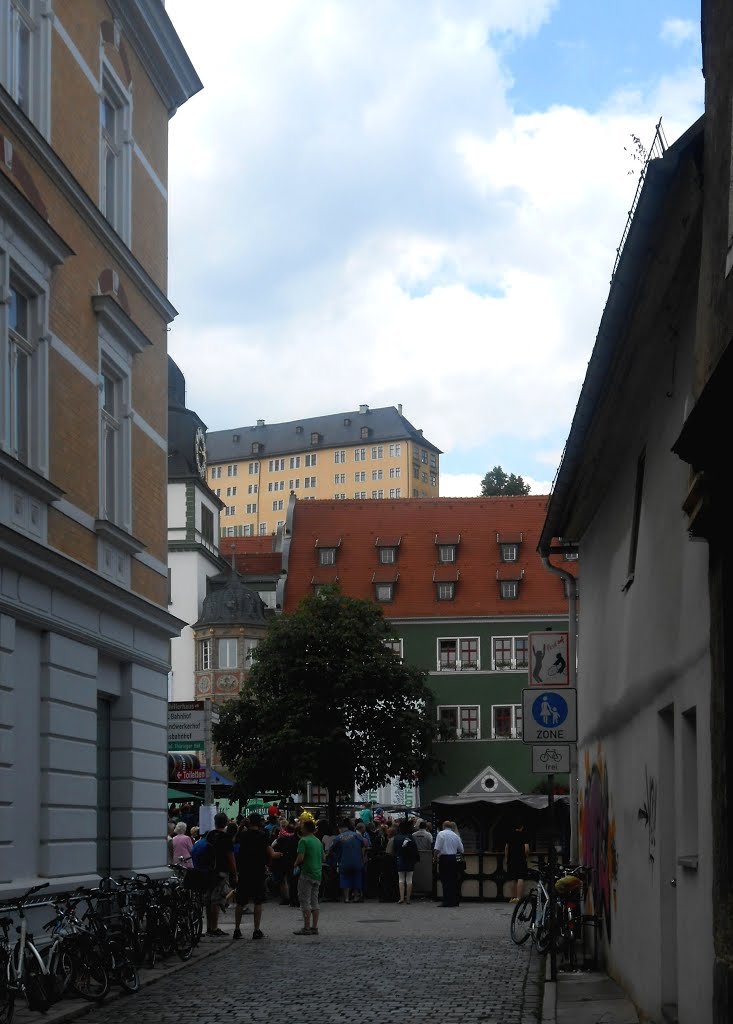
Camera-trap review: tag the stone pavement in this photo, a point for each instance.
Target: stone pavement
(371, 960)
(586, 997)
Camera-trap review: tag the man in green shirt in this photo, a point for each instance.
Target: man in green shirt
(309, 864)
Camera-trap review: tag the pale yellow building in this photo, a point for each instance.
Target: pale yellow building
(366, 454)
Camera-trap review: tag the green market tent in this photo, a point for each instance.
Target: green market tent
(178, 794)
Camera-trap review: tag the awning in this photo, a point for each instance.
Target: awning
(217, 779)
(536, 800)
(178, 794)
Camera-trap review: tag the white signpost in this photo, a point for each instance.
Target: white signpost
(548, 659)
(186, 725)
(550, 716)
(549, 759)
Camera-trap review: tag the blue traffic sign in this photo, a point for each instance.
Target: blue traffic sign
(550, 715)
(550, 710)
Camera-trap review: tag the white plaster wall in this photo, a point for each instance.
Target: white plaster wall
(186, 605)
(642, 651)
(176, 505)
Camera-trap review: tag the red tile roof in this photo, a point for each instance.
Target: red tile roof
(417, 521)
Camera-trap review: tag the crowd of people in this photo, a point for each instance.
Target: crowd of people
(301, 861)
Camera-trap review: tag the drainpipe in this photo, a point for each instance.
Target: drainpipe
(573, 681)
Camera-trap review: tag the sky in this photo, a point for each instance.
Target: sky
(413, 202)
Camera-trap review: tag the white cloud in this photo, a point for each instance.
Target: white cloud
(678, 31)
(358, 215)
(468, 485)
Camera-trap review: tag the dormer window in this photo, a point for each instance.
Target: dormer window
(327, 548)
(445, 580)
(509, 546)
(364, 432)
(509, 581)
(384, 582)
(387, 548)
(447, 547)
(315, 437)
(257, 448)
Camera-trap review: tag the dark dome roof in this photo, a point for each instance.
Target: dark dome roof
(233, 604)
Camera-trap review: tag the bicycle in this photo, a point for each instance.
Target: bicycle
(25, 969)
(7, 994)
(72, 959)
(531, 916)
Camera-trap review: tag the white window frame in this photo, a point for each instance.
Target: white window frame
(360, 476)
(216, 472)
(232, 469)
(205, 655)
(378, 494)
(387, 556)
(377, 474)
(295, 461)
(358, 495)
(339, 456)
(395, 451)
(390, 644)
(230, 510)
(395, 492)
(312, 459)
(516, 721)
(513, 663)
(35, 17)
(248, 530)
(446, 553)
(327, 556)
(509, 552)
(359, 454)
(339, 478)
(263, 529)
(395, 472)
(509, 590)
(378, 451)
(460, 663)
(118, 209)
(309, 481)
(384, 592)
(252, 508)
(224, 648)
(459, 708)
(253, 468)
(232, 492)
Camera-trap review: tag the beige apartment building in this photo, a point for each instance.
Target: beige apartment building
(363, 455)
(89, 87)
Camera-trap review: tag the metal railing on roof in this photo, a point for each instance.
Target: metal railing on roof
(655, 151)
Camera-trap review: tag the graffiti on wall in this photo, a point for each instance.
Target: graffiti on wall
(598, 838)
(648, 813)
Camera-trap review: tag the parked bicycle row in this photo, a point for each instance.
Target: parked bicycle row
(96, 938)
(532, 916)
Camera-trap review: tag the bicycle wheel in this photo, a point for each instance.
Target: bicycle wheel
(521, 926)
(7, 994)
(125, 971)
(90, 978)
(183, 939)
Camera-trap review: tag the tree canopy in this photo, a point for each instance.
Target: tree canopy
(498, 482)
(327, 701)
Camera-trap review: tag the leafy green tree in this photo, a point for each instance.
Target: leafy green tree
(328, 702)
(498, 482)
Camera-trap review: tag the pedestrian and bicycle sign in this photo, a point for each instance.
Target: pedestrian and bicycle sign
(550, 715)
(548, 659)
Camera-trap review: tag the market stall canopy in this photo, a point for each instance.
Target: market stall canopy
(178, 794)
(535, 800)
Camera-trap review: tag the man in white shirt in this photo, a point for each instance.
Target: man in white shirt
(447, 846)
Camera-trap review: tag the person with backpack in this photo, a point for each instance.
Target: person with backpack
(214, 856)
(407, 855)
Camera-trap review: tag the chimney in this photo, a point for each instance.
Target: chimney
(399, 408)
(420, 431)
(363, 409)
(260, 423)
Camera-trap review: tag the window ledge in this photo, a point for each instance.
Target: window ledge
(118, 537)
(112, 316)
(30, 481)
(689, 863)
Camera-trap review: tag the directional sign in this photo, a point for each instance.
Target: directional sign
(547, 759)
(550, 716)
(190, 774)
(548, 659)
(186, 728)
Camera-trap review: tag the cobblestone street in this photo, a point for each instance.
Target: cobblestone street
(370, 962)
